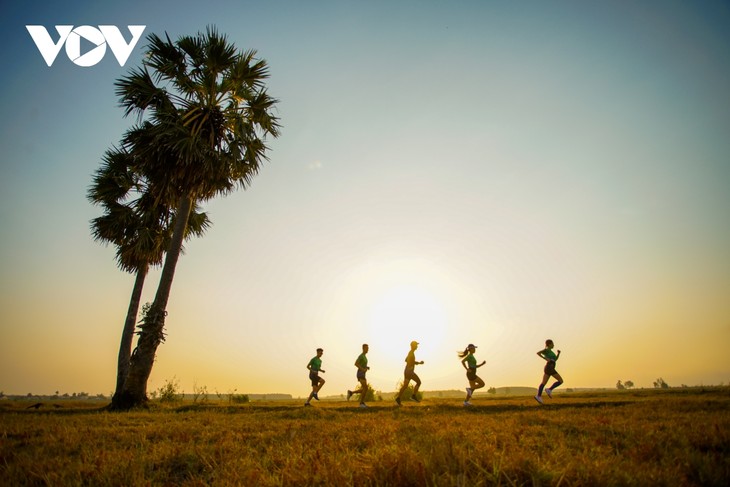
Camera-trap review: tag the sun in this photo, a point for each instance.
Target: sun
(403, 313)
(388, 302)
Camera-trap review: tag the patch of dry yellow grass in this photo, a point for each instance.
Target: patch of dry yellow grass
(676, 437)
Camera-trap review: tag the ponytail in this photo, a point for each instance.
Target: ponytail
(464, 353)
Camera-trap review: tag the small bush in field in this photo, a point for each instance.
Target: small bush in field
(370, 396)
(239, 398)
(170, 392)
(200, 393)
(408, 393)
(234, 398)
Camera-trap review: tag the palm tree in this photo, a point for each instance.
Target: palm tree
(207, 116)
(139, 227)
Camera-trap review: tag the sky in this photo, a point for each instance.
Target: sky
(486, 172)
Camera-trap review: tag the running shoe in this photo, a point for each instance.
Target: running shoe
(549, 393)
(538, 399)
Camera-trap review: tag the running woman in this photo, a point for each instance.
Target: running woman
(315, 367)
(409, 374)
(362, 367)
(549, 356)
(469, 362)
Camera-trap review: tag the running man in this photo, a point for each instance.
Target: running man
(549, 356)
(315, 367)
(469, 362)
(409, 374)
(362, 367)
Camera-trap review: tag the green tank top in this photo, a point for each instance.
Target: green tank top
(549, 354)
(472, 361)
(316, 364)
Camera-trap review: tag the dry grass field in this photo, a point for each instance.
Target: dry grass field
(644, 437)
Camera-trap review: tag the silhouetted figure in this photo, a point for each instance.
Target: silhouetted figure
(549, 356)
(469, 362)
(315, 367)
(362, 367)
(409, 374)
(35, 406)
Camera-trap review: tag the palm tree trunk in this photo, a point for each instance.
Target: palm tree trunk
(125, 345)
(134, 392)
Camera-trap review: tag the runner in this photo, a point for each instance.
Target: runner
(549, 356)
(315, 367)
(469, 362)
(362, 367)
(410, 374)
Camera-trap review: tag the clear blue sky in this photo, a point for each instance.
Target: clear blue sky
(451, 172)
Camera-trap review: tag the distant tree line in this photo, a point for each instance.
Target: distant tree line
(658, 384)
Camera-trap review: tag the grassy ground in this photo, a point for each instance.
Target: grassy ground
(674, 437)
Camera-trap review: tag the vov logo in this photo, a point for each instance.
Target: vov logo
(71, 37)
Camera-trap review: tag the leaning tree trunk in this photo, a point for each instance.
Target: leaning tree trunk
(125, 345)
(151, 334)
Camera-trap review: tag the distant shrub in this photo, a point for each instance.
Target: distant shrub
(234, 398)
(170, 391)
(238, 398)
(200, 393)
(406, 394)
(372, 394)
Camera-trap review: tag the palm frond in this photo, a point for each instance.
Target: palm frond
(198, 223)
(206, 117)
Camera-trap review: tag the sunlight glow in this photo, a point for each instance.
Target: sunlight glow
(403, 313)
(387, 301)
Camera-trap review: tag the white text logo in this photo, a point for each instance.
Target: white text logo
(71, 37)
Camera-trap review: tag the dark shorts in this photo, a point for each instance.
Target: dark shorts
(314, 377)
(550, 368)
(410, 374)
(360, 374)
(471, 374)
